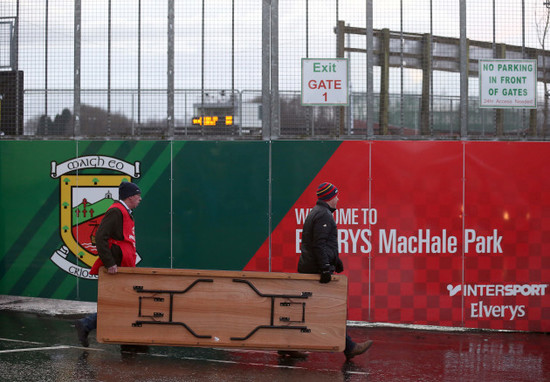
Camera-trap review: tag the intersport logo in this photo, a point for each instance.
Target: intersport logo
(497, 289)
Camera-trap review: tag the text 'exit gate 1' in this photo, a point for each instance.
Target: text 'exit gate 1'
(324, 82)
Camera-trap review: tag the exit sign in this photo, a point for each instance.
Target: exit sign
(325, 81)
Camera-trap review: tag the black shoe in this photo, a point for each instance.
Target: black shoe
(134, 349)
(358, 349)
(82, 334)
(292, 353)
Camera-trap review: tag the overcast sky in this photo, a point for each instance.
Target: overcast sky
(245, 50)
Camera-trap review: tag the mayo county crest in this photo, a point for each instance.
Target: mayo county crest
(84, 200)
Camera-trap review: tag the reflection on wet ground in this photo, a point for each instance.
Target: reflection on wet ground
(36, 348)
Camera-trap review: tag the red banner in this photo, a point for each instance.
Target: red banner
(435, 233)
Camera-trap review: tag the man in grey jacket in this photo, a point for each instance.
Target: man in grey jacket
(320, 249)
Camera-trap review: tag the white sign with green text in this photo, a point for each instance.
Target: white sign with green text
(508, 84)
(324, 81)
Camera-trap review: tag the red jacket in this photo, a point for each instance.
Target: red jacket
(127, 245)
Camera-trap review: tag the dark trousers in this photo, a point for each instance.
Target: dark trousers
(349, 344)
(90, 322)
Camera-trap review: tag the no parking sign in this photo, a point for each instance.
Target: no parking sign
(325, 81)
(508, 84)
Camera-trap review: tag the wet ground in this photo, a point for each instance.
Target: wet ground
(44, 348)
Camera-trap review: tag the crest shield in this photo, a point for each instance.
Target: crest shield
(84, 201)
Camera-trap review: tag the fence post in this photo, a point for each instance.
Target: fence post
(266, 72)
(384, 80)
(370, 68)
(170, 71)
(340, 49)
(274, 64)
(426, 81)
(499, 120)
(464, 66)
(76, 68)
(532, 53)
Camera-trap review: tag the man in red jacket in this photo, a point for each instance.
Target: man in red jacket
(115, 243)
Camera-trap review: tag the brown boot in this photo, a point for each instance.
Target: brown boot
(359, 348)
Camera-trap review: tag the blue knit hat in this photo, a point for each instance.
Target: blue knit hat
(127, 189)
(326, 191)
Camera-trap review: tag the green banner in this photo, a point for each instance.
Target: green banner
(206, 205)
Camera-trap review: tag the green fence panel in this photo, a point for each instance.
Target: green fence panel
(220, 203)
(206, 205)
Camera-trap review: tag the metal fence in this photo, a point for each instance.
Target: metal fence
(231, 69)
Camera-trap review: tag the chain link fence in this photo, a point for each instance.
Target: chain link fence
(231, 69)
